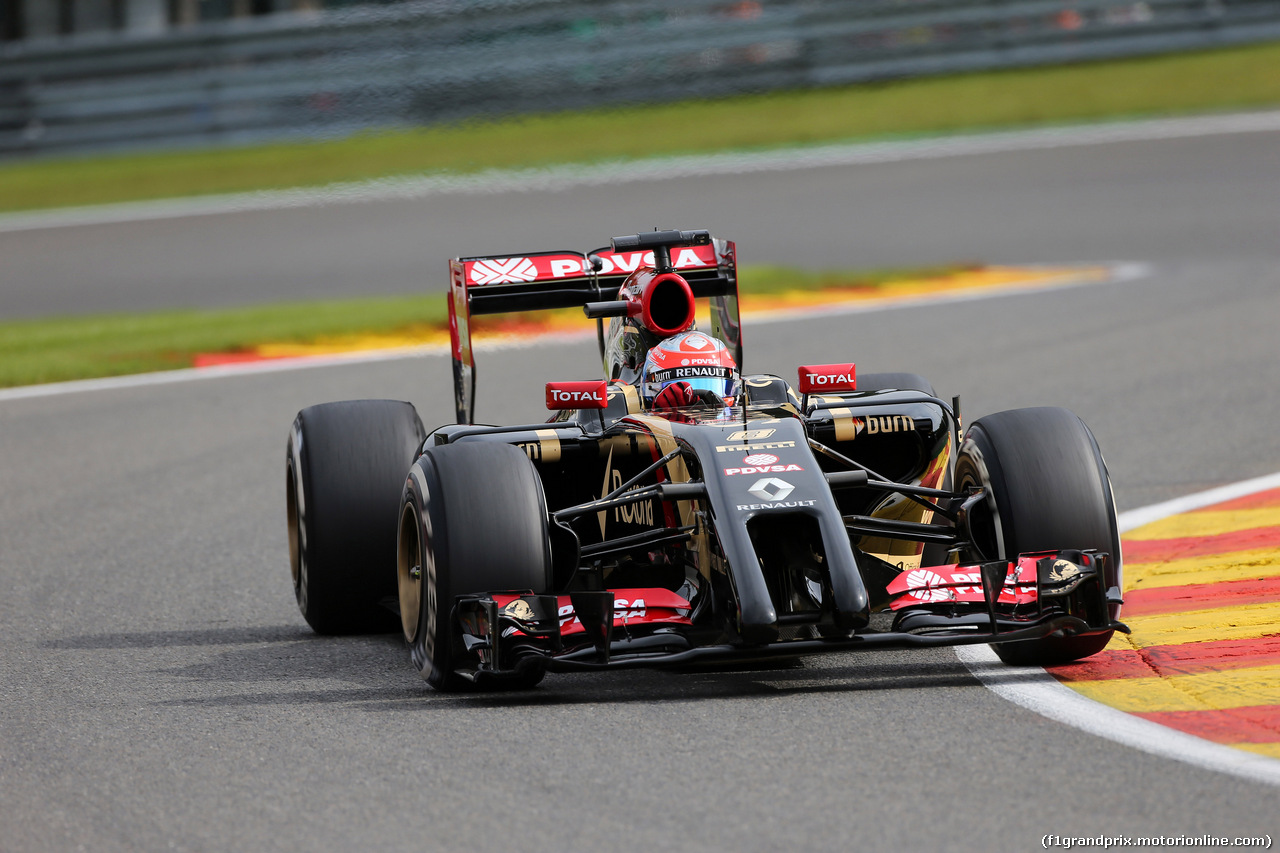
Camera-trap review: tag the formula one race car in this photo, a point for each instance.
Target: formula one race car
(675, 512)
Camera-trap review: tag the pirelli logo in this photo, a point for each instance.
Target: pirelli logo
(761, 445)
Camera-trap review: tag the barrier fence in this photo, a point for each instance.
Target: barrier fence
(298, 75)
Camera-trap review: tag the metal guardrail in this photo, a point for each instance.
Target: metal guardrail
(312, 76)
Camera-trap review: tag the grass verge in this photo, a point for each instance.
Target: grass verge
(1227, 79)
(60, 349)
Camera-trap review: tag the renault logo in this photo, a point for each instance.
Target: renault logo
(771, 489)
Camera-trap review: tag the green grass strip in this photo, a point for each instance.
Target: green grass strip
(60, 349)
(1228, 79)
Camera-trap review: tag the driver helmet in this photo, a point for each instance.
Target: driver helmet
(689, 368)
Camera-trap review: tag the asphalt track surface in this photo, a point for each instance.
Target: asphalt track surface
(160, 690)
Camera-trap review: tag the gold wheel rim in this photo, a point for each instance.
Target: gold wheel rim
(409, 572)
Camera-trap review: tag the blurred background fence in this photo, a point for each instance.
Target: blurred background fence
(146, 82)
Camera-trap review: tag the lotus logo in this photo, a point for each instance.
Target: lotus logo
(503, 271)
(771, 489)
(1064, 570)
(519, 609)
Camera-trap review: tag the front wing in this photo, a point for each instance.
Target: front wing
(508, 634)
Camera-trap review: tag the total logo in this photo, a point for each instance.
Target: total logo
(573, 396)
(577, 395)
(828, 377)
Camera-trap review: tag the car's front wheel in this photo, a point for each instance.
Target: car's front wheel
(473, 518)
(1047, 489)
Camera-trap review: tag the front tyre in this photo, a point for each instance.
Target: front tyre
(473, 519)
(345, 468)
(1047, 489)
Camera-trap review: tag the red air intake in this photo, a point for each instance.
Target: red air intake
(665, 306)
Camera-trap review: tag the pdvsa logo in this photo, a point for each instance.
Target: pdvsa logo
(622, 609)
(763, 469)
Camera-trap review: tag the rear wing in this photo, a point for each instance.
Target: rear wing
(497, 284)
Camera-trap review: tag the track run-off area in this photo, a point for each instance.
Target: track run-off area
(1201, 577)
(161, 690)
(1203, 600)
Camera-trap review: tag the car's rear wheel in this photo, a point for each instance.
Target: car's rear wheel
(1047, 489)
(345, 470)
(473, 519)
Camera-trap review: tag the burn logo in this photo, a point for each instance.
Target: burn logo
(637, 513)
(890, 423)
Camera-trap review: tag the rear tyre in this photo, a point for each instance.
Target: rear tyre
(895, 382)
(345, 469)
(1047, 488)
(473, 519)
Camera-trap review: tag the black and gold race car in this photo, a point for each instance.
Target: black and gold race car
(637, 528)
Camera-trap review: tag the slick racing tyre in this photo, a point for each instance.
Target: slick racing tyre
(895, 382)
(345, 473)
(1047, 488)
(473, 518)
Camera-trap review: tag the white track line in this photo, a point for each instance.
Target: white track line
(277, 365)
(1136, 518)
(1121, 271)
(574, 175)
(1036, 690)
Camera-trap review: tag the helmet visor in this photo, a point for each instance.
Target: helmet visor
(722, 388)
(725, 388)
